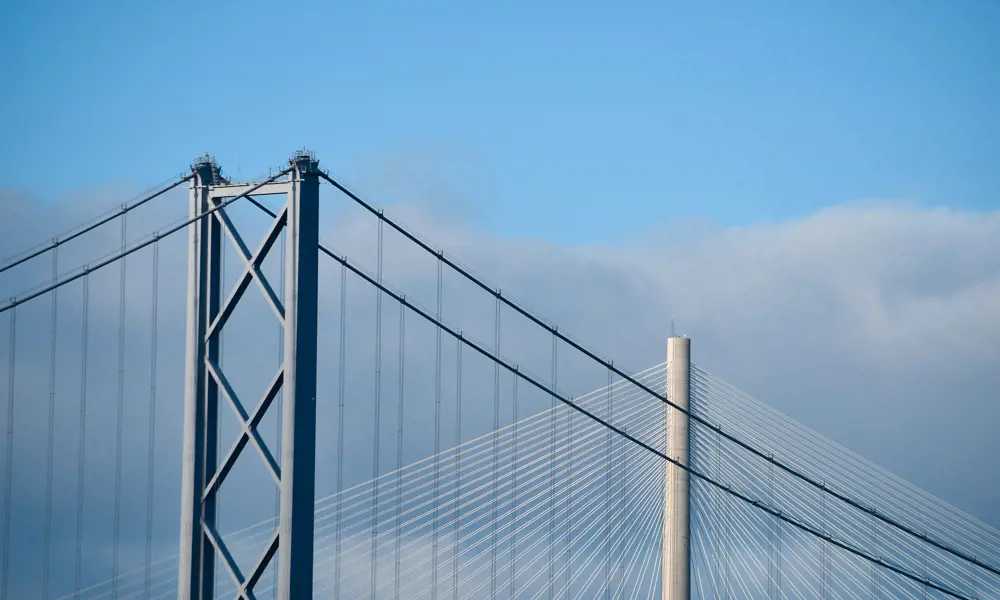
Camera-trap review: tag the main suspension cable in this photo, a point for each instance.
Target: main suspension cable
(486, 352)
(112, 258)
(478, 281)
(121, 212)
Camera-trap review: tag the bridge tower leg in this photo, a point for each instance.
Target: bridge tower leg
(677, 516)
(196, 575)
(206, 383)
(298, 419)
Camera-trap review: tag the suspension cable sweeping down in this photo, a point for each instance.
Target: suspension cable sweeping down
(489, 354)
(544, 388)
(15, 301)
(125, 208)
(922, 536)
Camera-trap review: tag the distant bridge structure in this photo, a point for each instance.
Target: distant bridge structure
(325, 428)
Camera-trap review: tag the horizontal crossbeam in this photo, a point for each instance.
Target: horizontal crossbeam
(271, 189)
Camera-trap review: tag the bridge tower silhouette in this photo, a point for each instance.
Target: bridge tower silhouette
(603, 483)
(207, 313)
(209, 307)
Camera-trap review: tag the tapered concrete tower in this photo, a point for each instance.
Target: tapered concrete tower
(677, 517)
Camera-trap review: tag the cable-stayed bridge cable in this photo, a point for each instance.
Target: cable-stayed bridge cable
(484, 351)
(533, 428)
(765, 426)
(821, 456)
(465, 272)
(738, 410)
(495, 516)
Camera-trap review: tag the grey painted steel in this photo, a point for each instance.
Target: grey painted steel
(677, 516)
(210, 407)
(279, 188)
(205, 380)
(298, 440)
(197, 558)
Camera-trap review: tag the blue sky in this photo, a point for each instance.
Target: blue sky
(597, 118)
(584, 125)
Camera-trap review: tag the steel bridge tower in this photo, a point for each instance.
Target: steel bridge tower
(206, 384)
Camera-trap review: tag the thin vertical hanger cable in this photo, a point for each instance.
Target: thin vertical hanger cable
(385, 533)
(910, 546)
(437, 429)
(151, 456)
(496, 427)
(399, 445)
(779, 529)
(913, 548)
(540, 385)
(607, 494)
(577, 505)
(569, 519)
(764, 527)
(729, 544)
(340, 426)
(82, 436)
(770, 534)
(8, 462)
(823, 549)
(758, 474)
(552, 439)
(513, 491)
(802, 476)
(50, 455)
(623, 484)
(87, 227)
(945, 516)
(718, 512)
(483, 515)
(121, 407)
(377, 429)
(875, 593)
(923, 552)
(458, 471)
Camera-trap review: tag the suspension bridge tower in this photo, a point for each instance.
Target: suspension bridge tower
(209, 308)
(677, 516)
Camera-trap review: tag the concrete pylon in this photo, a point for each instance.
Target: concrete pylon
(677, 516)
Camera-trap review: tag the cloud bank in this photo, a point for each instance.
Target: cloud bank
(877, 324)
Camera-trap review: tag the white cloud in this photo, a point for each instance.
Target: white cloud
(877, 324)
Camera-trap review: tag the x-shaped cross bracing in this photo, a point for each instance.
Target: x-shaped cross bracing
(248, 421)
